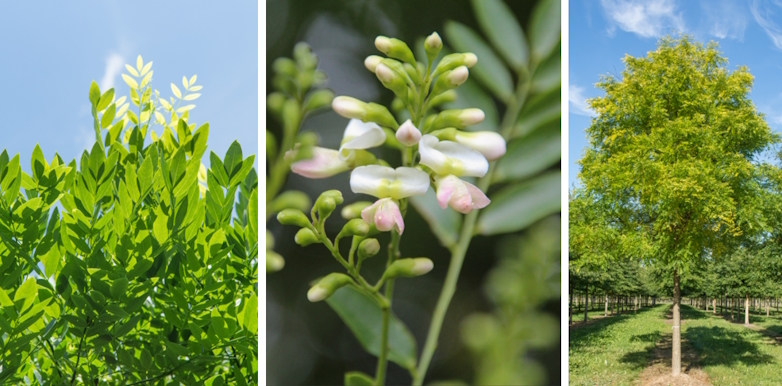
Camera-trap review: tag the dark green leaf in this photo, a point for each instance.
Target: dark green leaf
(364, 318)
(544, 28)
(490, 71)
(529, 155)
(445, 223)
(357, 378)
(517, 206)
(499, 24)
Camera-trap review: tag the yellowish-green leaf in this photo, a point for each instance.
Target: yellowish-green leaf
(129, 81)
(131, 70)
(176, 91)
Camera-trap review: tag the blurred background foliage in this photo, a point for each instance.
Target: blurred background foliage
(503, 324)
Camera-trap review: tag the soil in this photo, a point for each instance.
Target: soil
(658, 373)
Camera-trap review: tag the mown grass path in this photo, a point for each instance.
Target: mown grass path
(633, 349)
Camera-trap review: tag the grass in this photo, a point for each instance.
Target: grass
(615, 350)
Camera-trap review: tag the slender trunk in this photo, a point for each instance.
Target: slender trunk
(746, 311)
(714, 306)
(570, 317)
(676, 357)
(767, 304)
(586, 304)
(605, 312)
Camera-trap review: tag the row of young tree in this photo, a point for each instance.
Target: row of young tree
(679, 175)
(749, 279)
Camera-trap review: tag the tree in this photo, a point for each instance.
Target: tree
(671, 155)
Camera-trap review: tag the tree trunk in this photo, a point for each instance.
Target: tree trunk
(676, 357)
(605, 312)
(714, 306)
(746, 311)
(586, 303)
(570, 318)
(767, 303)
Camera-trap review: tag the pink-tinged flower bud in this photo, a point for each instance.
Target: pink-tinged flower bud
(470, 59)
(447, 157)
(408, 268)
(408, 134)
(460, 195)
(324, 163)
(488, 143)
(349, 107)
(385, 214)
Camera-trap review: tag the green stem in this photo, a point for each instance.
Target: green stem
(465, 236)
(382, 360)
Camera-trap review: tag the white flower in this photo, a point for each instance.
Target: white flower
(488, 143)
(324, 163)
(408, 134)
(383, 181)
(358, 136)
(385, 214)
(447, 157)
(460, 195)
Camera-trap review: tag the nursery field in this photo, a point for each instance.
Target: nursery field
(635, 349)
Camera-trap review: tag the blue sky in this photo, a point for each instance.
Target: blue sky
(49, 54)
(749, 33)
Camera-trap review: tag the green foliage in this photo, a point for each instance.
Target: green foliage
(298, 94)
(122, 268)
(679, 147)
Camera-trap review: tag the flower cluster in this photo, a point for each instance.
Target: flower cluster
(436, 150)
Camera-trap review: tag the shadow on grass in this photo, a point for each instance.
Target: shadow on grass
(722, 346)
(593, 331)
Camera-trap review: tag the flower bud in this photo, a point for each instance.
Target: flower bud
(293, 217)
(380, 115)
(274, 262)
(391, 80)
(368, 248)
(353, 210)
(488, 143)
(274, 102)
(451, 61)
(324, 163)
(385, 214)
(318, 99)
(408, 134)
(327, 286)
(326, 206)
(433, 44)
(305, 237)
(291, 199)
(409, 268)
(269, 240)
(397, 105)
(271, 148)
(333, 193)
(349, 107)
(291, 116)
(372, 61)
(304, 56)
(285, 66)
(456, 118)
(395, 48)
(355, 227)
(461, 196)
(412, 73)
(450, 80)
(446, 97)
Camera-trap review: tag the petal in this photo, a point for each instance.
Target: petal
(385, 216)
(472, 163)
(408, 134)
(368, 213)
(461, 200)
(445, 189)
(430, 156)
(398, 219)
(357, 128)
(488, 143)
(383, 181)
(360, 135)
(414, 182)
(324, 163)
(367, 179)
(479, 199)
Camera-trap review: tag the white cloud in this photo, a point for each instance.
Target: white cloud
(84, 139)
(647, 18)
(578, 104)
(763, 12)
(114, 64)
(725, 19)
